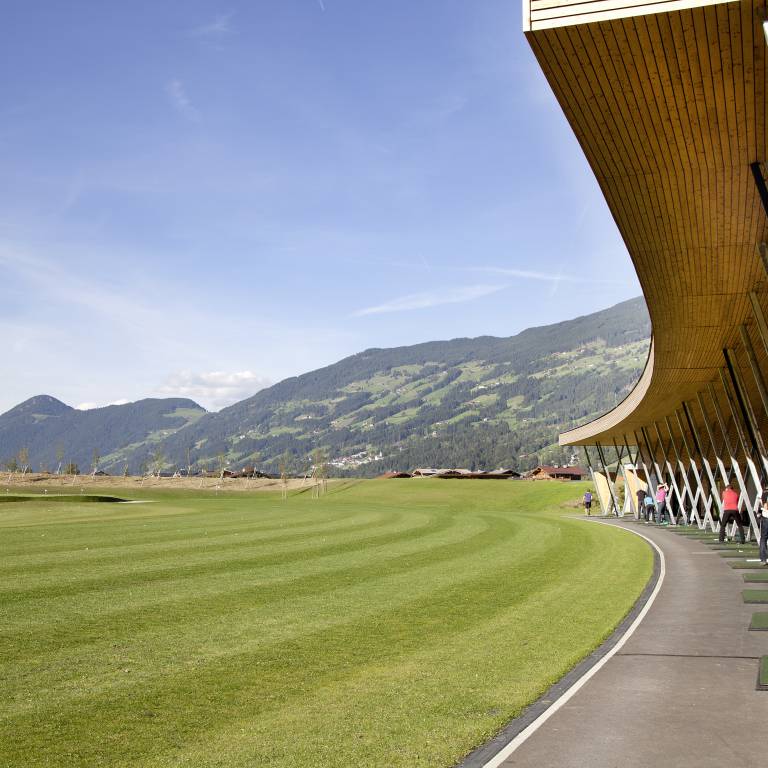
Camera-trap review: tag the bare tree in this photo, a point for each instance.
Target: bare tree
(189, 460)
(23, 460)
(158, 460)
(59, 458)
(255, 459)
(95, 459)
(11, 465)
(125, 470)
(285, 464)
(319, 472)
(221, 459)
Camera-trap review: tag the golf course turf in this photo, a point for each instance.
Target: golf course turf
(388, 623)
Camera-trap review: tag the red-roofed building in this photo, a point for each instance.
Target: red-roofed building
(557, 473)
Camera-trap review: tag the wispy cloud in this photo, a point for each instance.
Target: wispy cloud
(213, 389)
(555, 276)
(220, 27)
(48, 278)
(322, 5)
(177, 95)
(430, 299)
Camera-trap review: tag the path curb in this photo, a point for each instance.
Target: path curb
(483, 756)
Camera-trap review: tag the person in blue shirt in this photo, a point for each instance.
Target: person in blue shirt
(649, 508)
(588, 502)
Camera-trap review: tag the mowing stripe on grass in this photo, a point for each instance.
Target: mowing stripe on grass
(399, 645)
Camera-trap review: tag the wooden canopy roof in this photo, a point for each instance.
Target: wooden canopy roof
(668, 102)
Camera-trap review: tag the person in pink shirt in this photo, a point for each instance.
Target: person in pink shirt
(661, 504)
(731, 512)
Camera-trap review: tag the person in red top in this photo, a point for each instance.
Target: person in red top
(731, 512)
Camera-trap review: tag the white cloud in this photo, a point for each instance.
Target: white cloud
(219, 27)
(177, 95)
(91, 406)
(213, 389)
(322, 5)
(431, 299)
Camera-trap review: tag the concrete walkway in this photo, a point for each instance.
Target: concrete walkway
(681, 692)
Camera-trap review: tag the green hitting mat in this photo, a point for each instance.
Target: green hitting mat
(759, 621)
(755, 595)
(755, 578)
(762, 675)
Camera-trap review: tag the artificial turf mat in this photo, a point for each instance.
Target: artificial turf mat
(762, 675)
(759, 621)
(746, 564)
(756, 578)
(739, 553)
(394, 624)
(755, 595)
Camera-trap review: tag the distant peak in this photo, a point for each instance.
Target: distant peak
(41, 404)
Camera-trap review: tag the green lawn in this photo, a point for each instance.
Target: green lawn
(390, 623)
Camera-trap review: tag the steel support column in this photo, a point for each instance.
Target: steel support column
(681, 468)
(654, 465)
(649, 477)
(751, 503)
(592, 476)
(670, 471)
(745, 406)
(708, 498)
(756, 372)
(693, 468)
(760, 321)
(633, 503)
(611, 488)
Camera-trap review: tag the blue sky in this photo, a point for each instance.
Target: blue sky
(199, 198)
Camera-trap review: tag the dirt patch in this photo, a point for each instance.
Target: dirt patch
(38, 481)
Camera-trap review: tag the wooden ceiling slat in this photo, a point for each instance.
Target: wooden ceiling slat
(670, 109)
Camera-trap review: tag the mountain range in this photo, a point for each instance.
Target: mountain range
(478, 403)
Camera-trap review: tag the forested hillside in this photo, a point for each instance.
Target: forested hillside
(481, 402)
(476, 403)
(51, 434)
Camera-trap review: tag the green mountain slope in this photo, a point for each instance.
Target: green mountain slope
(51, 431)
(478, 402)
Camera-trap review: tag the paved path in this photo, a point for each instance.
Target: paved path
(663, 699)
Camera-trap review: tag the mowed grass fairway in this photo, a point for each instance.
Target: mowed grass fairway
(389, 623)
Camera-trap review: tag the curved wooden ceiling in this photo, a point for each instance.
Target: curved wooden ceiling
(670, 110)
